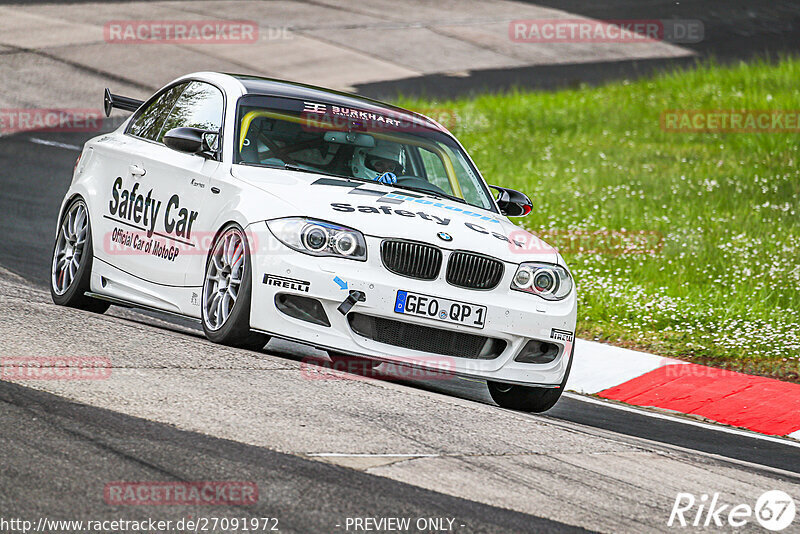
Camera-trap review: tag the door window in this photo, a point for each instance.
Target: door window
(200, 105)
(149, 122)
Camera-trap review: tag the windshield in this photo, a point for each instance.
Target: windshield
(371, 145)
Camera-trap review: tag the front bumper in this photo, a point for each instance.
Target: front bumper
(512, 316)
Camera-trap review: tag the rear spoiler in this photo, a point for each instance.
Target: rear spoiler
(120, 102)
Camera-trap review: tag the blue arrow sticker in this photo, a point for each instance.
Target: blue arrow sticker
(341, 283)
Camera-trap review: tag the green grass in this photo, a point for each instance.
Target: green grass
(724, 289)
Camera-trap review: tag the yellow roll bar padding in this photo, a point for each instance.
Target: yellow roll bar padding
(448, 163)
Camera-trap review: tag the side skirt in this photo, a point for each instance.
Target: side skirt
(133, 305)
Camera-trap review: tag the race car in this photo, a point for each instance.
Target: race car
(265, 208)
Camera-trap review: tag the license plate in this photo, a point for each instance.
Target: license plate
(439, 309)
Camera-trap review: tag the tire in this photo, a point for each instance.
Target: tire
(227, 290)
(526, 398)
(73, 255)
(352, 364)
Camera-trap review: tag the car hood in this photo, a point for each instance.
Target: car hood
(385, 211)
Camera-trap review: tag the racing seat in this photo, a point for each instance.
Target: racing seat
(249, 149)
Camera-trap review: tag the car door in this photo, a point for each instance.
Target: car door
(183, 204)
(123, 223)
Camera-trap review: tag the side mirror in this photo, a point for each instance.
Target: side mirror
(193, 141)
(512, 203)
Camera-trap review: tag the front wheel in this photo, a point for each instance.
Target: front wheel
(524, 398)
(527, 398)
(71, 270)
(227, 292)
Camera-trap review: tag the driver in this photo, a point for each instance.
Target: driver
(371, 163)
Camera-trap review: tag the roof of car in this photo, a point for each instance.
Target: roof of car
(257, 85)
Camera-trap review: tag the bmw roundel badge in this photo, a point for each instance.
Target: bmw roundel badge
(444, 236)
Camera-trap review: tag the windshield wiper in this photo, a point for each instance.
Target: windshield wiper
(434, 194)
(298, 168)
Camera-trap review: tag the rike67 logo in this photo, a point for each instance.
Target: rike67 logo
(774, 510)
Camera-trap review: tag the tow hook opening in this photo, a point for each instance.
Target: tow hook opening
(351, 300)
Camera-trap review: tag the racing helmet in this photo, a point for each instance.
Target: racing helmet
(385, 156)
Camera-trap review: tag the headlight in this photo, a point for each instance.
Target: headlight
(319, 238)
(551, 282)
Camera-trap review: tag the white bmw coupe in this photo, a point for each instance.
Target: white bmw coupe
(266, 208)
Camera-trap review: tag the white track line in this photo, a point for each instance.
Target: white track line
(54, 143)
(367, 455)
(708, 426)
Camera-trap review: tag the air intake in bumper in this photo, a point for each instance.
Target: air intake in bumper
(426, 338)
(303, 308)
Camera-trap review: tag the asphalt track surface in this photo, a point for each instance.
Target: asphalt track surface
(734, 30)
(48, 439)
(49, 442)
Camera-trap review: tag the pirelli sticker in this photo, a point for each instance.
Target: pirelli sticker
(287, 283)
(561, 335)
